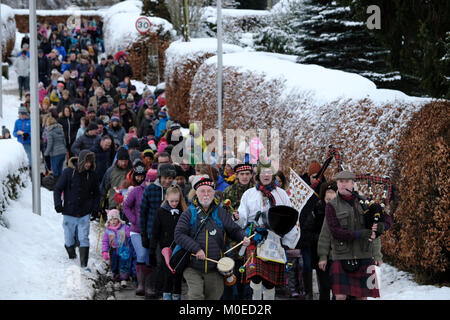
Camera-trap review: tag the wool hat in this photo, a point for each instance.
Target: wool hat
(135, 155)
(92, 126)
(162, 114)
(152, 175)
(175, 126)
(345, 175)
(167, 170)
(139, 168)
(243, 167)
(23, 110)
(113, 214)
(91, 110)
(133, 143)
(199, 181)
(123, 85)
(115, 118)
(103, 99)
(122, 154)
(122, 101)
(313, 168)
(148, 153)
(130, 98)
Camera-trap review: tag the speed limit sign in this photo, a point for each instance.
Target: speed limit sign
(143, 25)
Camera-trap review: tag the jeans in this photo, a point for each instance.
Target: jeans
(27, 148)
(57, 163)
(306, 254)
(71, 225)
(24, 84)
(142, 254)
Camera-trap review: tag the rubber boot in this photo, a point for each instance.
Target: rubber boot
(257, 291)
(71, 251)
(141, 271)
(167, 296)
(149, 291)
(84, 257)
(176, 296)
(307, 282)
(268, 294)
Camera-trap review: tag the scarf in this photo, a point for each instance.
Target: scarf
(267, 191)
(166, 206)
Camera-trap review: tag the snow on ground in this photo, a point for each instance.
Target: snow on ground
(33, 259)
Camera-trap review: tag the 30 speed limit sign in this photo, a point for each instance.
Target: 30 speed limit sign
(143, 25)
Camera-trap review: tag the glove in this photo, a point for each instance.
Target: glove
(365, 234)
(105, 255)
(145, 241)
(152, 256)
(59, 208)
(380, 229)
(25, 135)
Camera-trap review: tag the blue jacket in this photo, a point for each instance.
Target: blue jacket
(221, 184)
(25, 126)
(80, 187)
(161, 126)
(61, 51)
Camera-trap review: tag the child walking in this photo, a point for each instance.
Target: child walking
(163, 233)
(116, 247)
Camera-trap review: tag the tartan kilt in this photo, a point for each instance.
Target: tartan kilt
(355, 284)
(273, 272)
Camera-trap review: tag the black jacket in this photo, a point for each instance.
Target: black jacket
(80, 187)
(164, 226)
(122, 71)
(103, 159)
(70, 130)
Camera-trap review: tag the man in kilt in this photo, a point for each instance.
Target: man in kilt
(354, 248)
(263, 275)
(243, 182)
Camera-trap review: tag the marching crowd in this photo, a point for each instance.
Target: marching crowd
(108, 157)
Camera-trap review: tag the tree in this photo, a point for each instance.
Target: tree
(156, 8)
(176, 7)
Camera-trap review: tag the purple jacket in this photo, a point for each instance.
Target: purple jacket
(131, 206)
(115, 239)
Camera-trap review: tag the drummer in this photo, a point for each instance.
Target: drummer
(265, 275)
(202, 277)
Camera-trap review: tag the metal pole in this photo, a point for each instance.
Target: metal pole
(219, 68)
(1, 82)
(35, 152)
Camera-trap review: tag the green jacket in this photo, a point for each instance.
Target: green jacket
(350, 218)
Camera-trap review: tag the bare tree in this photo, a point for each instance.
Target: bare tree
(176, 11)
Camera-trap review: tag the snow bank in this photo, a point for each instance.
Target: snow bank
(119, 25)
(33, 259)
(182, 62)
(8, 30)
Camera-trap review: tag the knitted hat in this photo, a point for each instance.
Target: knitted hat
(113, 214)
(243, 167)
(152, 175)
(103, 99)
(148, 153)
(23, 110)
(167, 170)
(313, 168)
(123, 85)
(162, 114)
(122, 154)
(139, 168)
(199, 181)
(92, 126)
(122, 101)
(133, 143)
(175, 126)
(115, 118)
(135, 155)
(130, 98)
(91, 110)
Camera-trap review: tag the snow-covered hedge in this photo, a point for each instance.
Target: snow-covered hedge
(13, 171)
(119, 25)
(182, 62)
(313, 107)
(8, 30)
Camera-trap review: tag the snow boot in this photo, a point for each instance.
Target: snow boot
(176, 296)
(257, 290)
(84, 257)
(71, 251)
(167, 296)
(150, 293)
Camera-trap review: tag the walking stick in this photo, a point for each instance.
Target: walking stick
(99, 231)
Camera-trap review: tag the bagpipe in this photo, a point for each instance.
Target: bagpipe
(332, 153)
(373, 212)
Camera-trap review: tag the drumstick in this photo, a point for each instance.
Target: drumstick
(209, 259)
(238, 244)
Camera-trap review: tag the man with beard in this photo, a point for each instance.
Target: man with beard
(202, 277)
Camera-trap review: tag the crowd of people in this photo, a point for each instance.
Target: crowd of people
(108, 154)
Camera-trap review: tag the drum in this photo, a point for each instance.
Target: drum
(280, 219)
(225, 266)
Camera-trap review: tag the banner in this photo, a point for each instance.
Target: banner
(300, 191)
